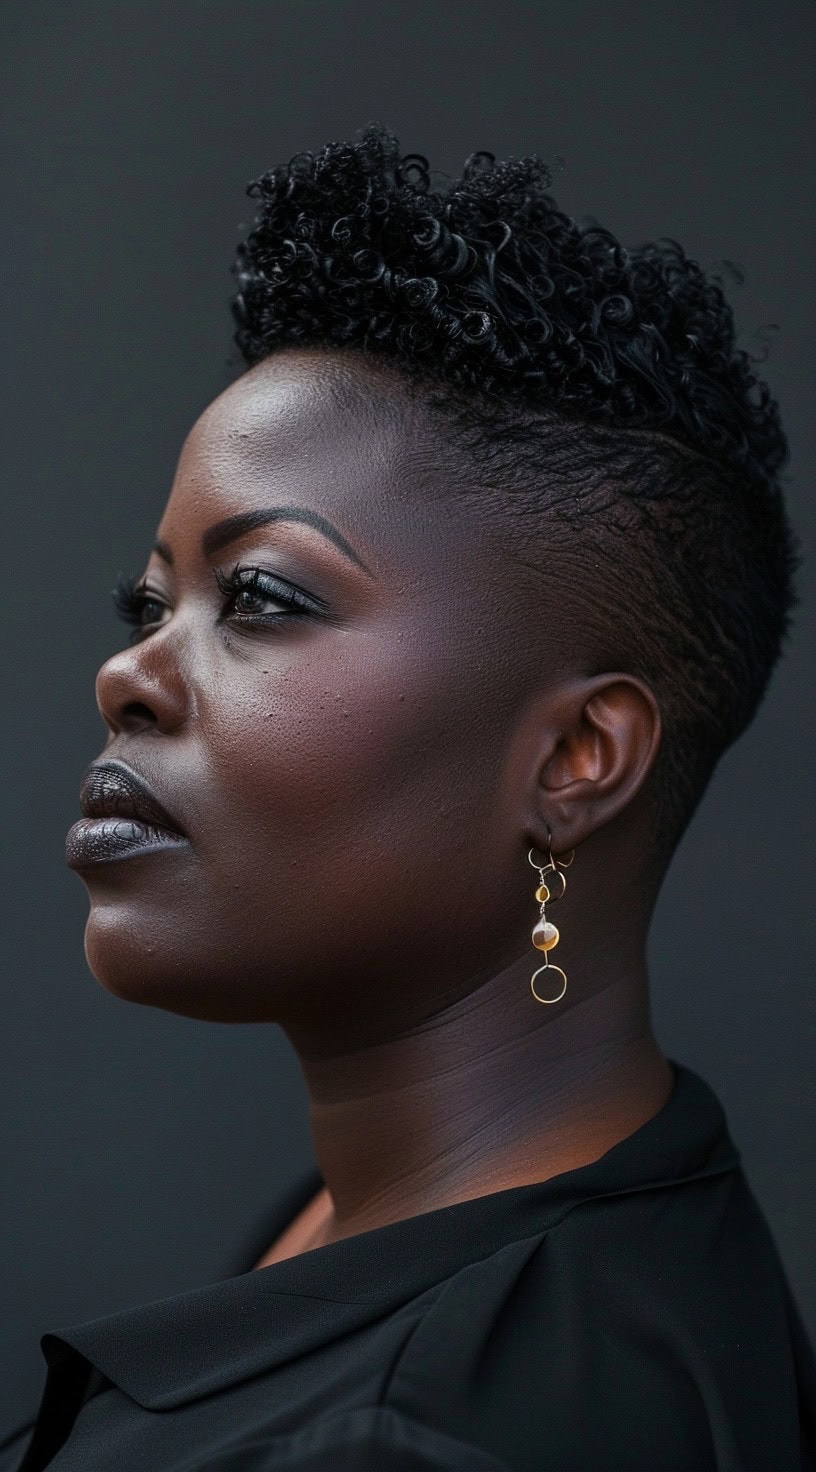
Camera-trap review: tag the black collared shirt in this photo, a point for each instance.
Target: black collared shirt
(629, 1316)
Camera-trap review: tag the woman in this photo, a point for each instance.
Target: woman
(461, 591)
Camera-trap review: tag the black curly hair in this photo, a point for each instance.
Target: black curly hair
(584, 390)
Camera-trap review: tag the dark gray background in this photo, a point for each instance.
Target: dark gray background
(138, 1147)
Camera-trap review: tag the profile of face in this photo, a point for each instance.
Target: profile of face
(327, 695)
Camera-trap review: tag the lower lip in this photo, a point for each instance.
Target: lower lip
(94, 841)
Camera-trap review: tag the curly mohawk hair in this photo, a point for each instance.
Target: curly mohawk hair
(521, 326)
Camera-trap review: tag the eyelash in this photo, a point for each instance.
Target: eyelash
(131, 596)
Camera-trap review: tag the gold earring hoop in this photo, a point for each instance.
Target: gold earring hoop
(546, 935)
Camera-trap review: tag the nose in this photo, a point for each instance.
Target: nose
(141, 688)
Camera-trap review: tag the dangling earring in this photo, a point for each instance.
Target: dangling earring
(545, 935)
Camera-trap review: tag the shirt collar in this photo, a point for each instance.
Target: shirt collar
(176, 1350)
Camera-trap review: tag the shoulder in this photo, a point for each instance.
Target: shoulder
(633, 1322)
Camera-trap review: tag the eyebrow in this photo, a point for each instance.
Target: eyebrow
(232, 527)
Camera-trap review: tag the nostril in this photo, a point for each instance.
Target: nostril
(137, 714)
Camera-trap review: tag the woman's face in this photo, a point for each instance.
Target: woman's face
(352, 855)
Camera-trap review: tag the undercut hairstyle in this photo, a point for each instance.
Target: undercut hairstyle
(592, 396)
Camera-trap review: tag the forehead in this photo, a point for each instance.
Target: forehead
(297, 394)
(312, 428)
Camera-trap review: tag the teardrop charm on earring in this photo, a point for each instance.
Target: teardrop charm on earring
(545, 935)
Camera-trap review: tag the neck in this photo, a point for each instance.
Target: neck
(495, 1091)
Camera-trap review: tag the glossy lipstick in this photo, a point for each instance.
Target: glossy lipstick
(122, 817)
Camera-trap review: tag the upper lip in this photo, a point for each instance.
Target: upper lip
(112, 789)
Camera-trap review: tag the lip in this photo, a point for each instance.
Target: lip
(94, 841)
(122, 817)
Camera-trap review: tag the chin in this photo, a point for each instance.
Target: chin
(171, 967)
(137, 969)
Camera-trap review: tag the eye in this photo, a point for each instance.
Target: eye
(137, 604)
(249, 592)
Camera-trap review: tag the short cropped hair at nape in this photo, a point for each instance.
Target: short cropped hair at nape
(594, 395)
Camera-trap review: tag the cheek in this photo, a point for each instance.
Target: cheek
(351, 795)
(331, 746)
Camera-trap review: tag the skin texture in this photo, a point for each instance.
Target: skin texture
(360, 791)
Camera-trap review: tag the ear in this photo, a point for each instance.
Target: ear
(600, 740)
